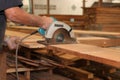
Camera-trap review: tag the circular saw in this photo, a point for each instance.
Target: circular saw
(59, 33)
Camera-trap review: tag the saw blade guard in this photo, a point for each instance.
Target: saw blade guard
(58, 25)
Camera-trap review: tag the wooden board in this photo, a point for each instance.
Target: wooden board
(29, 42)
(21, 35)
(103, 33)
(100, 33)
(32, 45)
(94, 53)
(99, 41)
(25, 29)
(2, 65)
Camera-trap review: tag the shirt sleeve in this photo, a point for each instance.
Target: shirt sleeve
(5, 4)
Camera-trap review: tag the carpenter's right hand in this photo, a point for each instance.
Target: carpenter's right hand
(45, 22)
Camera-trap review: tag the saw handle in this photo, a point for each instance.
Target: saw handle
(42, 31)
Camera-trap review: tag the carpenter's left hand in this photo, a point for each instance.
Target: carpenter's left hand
(12, 42)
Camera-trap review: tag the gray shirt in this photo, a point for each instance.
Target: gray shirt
(5, 4)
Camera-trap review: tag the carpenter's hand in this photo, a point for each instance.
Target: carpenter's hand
(12, 42)
(45, 22)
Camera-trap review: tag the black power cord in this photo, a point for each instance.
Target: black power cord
(16, 53)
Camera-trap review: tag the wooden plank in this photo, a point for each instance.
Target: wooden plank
(115, 48)
(108, 10)
(30, 42)
(99, 41)
(32, 45)
(28, 61)
(27, 74)
(100, 33)
(75, 31)
(2, 65)
(68, 57)
(23, 27)
(21, 35)
(94, 53)
(81, 72)
(11, 70)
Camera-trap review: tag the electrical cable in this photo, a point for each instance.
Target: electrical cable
(16, 53)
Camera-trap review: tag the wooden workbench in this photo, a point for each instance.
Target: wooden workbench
(94, 53)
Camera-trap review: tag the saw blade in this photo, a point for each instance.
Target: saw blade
(61, 36)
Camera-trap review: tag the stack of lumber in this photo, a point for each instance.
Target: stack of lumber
(32, 40)
(104, 19)
(72, 52)
(75, 21)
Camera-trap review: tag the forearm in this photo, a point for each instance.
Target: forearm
(18, 15)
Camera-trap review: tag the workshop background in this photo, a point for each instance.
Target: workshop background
(94, 56)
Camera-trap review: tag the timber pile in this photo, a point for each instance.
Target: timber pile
(67, 57)
(25, 67)
(75, 21)
(103, 19)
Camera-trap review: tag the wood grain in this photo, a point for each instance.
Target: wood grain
(30, 42)
(103, 18)
(32, 38)
(101, 33)
(94, 53)
(99, 41)
(2, 65)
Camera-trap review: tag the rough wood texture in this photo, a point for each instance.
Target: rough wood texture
(98, 54)
(103, 33)
(21, 35)
(81, 72)
(98, 33)
(100, 41)
(29, 42)
(32, 45)
(103, 19)
(2, 65)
